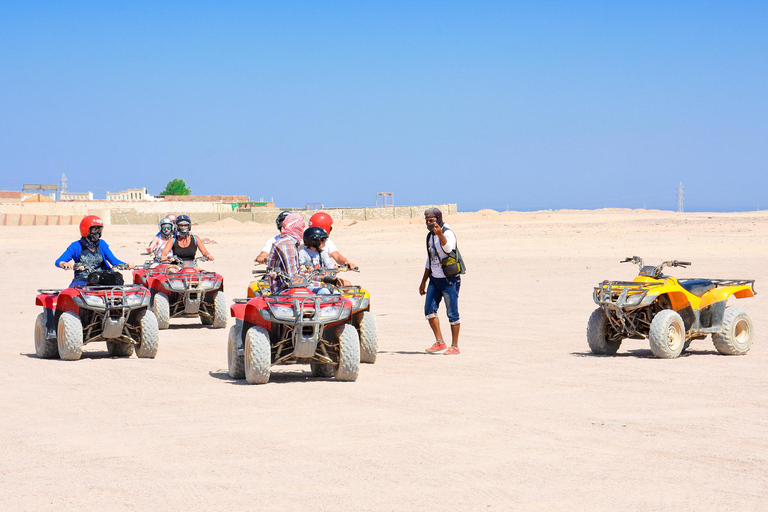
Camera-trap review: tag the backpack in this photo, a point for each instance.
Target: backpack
(453, 264)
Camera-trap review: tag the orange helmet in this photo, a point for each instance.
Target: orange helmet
(321, 220)
(88, 222)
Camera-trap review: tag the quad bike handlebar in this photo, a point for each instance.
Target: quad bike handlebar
(656, 272)
(80, 266)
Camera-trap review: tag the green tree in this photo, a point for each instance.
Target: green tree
(176, 187)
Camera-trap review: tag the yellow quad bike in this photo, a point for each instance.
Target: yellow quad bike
(362, 318)
(670, 312)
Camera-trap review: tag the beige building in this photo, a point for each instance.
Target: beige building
(132, 194)
(76, 196)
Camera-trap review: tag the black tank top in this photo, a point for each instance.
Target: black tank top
(185, 253)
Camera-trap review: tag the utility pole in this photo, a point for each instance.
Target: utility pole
(680, 197)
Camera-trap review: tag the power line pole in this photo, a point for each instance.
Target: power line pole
(680, 197)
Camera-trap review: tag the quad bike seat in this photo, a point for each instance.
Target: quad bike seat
(697, 287)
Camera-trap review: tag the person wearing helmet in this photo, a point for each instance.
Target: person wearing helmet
(264, 254)
(284, 255)
(323, 220)
(312, 256)
(91, 251)
(163, 237)
(185, 245)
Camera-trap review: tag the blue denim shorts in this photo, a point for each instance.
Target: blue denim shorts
(443, 288)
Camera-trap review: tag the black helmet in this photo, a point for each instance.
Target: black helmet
(280, 218)
(184, 225)
(314, 236)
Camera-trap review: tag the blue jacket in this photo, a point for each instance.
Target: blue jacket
(74, 251)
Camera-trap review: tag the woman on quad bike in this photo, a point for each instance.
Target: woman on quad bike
(163, 238)
(185, 244)
(264, 254)
(314, 257)
(323, 220)
(91, 252)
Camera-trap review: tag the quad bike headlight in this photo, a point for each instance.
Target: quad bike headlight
(176, 285)
(634, 300)
(283, 312)
(134, 300)
(95, 301)
(330, 313)
(208, 284)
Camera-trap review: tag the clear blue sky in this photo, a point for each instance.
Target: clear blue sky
(488, 104)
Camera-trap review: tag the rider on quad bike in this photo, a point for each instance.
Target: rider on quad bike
(185, 244)
(96, 306)
(264, 254)
(91, 251)
(313, 256)
(670, 312)
(323, 220)
(163, 238)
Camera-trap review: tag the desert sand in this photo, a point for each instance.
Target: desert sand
(524, 419)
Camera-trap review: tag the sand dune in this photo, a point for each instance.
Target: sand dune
(524, 419)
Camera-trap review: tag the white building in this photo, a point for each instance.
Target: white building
(76, 196)
(132, 194)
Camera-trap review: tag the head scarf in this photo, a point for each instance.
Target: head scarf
(293, 225)
(436, 213)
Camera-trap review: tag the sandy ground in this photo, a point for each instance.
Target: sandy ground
(524, 419)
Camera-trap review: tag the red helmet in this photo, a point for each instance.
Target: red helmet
(88, 222)
(321, 220)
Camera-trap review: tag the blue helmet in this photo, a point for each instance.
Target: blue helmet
(184, 225)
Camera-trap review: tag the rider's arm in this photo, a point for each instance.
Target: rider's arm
(107, 253)
(72, 253)
(262, 257)
(166, 249)
(203, 250)
(341, 259)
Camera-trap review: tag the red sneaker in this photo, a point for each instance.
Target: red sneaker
(437, 347)
(452, 351)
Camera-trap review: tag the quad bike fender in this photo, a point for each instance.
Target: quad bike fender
(47, 300)
(724, 292)
(237, 311)
(66, 302)
(252, 313)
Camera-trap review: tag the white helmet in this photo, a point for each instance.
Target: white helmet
(171, 227)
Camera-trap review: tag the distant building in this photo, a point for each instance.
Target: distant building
(132, 194)
(76, 196)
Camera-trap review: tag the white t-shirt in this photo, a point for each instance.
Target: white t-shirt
(434, 259)
(330, 246)
(268, 246)
(313, 259)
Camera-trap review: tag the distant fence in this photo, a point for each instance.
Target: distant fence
(265, 216)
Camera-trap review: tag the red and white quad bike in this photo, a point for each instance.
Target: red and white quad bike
(181, 289)
(74, 317)
(295, 326)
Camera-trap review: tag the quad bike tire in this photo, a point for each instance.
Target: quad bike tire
(349, 353)
(236, 363)
(322, 370)
(596, 334)
(162, 310)
(45, 349)
(220, 311)
(737, 334)
(117, 349)
(667, 334)
(258, 355)
(69, 336)
(369, 337)
(149, 339)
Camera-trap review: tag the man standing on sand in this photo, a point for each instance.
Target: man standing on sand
(440, 243)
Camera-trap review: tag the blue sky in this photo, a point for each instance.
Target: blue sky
(519, 105)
